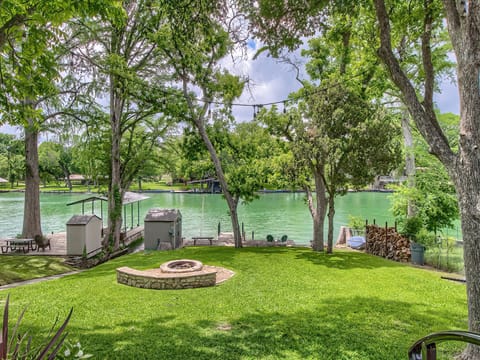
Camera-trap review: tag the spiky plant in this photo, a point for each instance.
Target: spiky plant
(19, 347)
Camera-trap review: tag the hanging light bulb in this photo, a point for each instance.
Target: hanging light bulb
(284, 107)
(259, 107)
(254, 112)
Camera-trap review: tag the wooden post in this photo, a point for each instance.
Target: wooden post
(366, 236)
(386, 239)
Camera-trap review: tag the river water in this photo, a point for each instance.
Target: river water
(272, 213)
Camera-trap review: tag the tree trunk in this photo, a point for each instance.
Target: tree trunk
(68, 182)
(331, 214)
(115, 190)
(31, 214)
(231, 201)
(318, 209)
(469, 199)
(466, 175)
(409, 158)
(199, 121)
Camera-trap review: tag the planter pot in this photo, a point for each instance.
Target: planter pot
(418, 253)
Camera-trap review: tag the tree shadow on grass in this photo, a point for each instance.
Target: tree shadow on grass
(347, 260)
(339, 328)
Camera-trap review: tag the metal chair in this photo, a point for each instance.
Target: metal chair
(426, 347)
(42, 242)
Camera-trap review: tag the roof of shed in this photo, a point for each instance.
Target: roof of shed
(156, 214)
(81, 219)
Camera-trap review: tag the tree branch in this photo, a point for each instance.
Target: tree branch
(16, 20)
(423, 115)
(427, 56)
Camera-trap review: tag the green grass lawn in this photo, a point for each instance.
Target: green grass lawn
(281, 304)
(18, 268)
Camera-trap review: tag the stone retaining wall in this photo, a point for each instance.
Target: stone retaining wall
(156, 279)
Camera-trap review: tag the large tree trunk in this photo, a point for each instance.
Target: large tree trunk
(468, 185)
(115, 190)
(409, 158)
(31, 213)
(466, 170)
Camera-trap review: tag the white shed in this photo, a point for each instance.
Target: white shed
(84, 235)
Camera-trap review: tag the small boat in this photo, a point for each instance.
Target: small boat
(356, 242)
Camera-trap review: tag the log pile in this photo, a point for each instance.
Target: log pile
(387, 243)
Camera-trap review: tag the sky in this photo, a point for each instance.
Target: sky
(272, 81)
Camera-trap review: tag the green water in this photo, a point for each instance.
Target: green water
(276, 214)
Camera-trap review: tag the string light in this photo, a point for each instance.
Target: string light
(256, 107)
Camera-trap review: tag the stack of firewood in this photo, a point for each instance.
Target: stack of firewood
(387, 243)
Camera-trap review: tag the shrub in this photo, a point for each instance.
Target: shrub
(425, 237)
(411, 226)
(356, 223)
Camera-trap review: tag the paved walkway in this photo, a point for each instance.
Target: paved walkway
(33, 281)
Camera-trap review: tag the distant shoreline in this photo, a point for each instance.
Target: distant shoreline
(187, 191)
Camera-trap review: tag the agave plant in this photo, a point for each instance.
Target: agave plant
(19, 347)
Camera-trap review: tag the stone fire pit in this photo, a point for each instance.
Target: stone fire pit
(175, 274)
(181, 266)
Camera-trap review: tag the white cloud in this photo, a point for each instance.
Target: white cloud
(270, 81)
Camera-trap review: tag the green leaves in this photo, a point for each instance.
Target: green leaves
(282, 24)
(434, 194)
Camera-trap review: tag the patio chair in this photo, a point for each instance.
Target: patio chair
(284, 238)
(42, 242)
(269, 238)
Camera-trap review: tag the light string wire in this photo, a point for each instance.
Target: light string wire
(284, 101)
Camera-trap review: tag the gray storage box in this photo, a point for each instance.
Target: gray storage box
(163, 229)
(84, 235)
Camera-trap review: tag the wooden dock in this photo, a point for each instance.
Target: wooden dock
(58, 243)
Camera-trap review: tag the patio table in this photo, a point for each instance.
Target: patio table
(18, 244)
